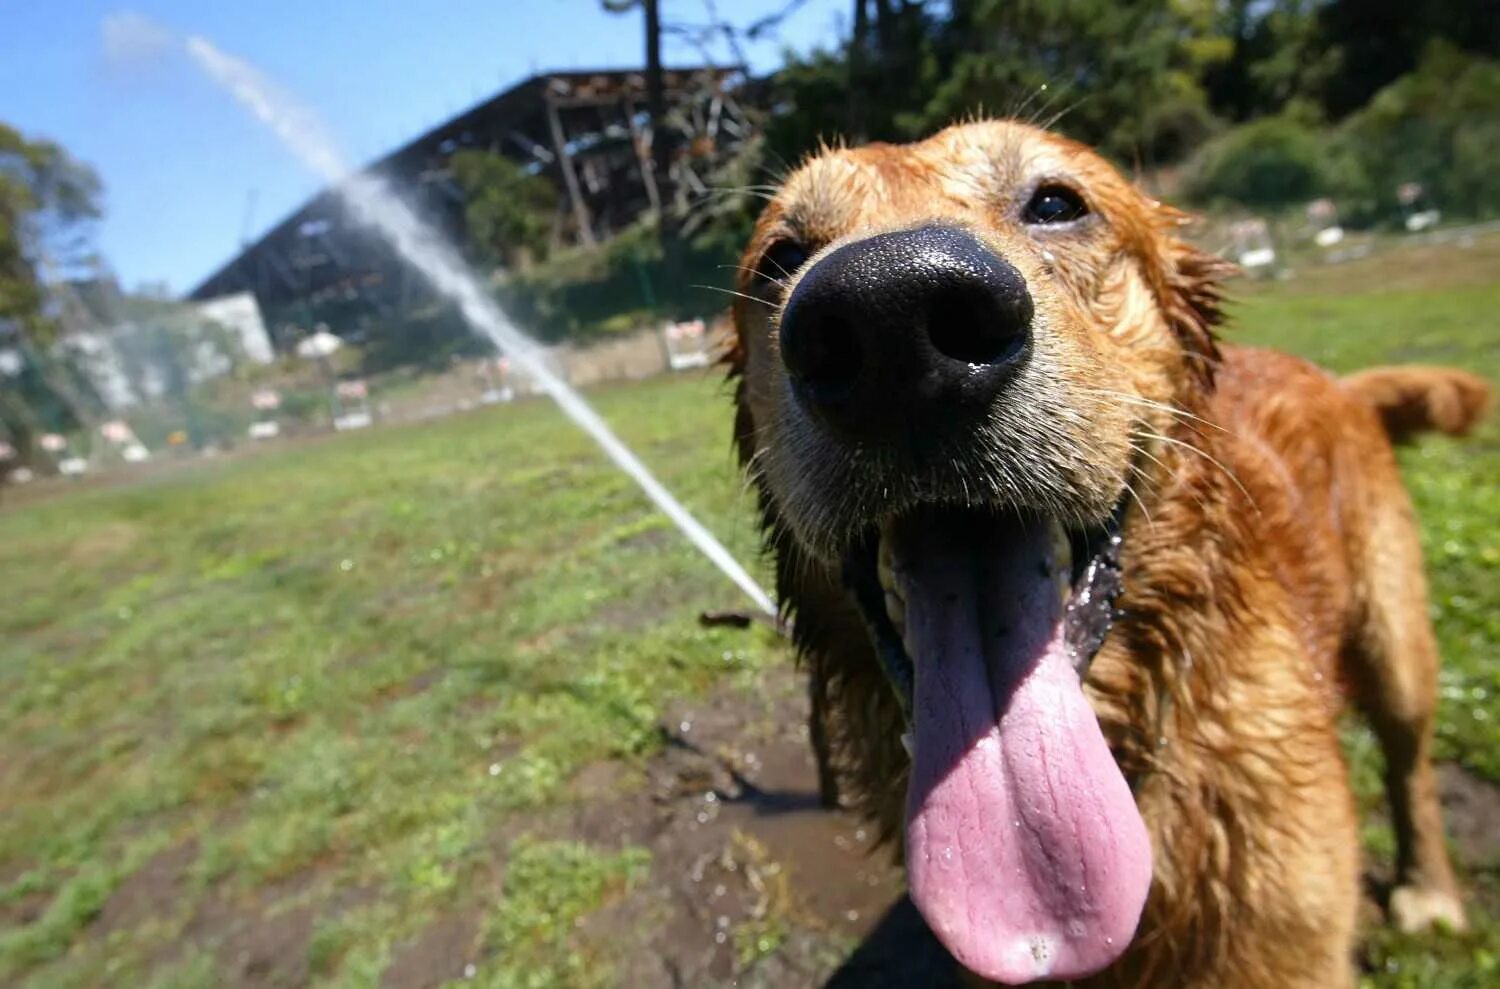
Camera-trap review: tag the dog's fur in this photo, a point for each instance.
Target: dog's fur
(1271, 560)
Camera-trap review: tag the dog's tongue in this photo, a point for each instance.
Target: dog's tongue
(1025, 851)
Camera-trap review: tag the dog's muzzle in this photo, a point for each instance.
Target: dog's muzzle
(906, 333)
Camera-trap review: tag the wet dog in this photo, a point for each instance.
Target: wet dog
(1081, 590)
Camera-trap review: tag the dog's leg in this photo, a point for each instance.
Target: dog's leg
(817, 733)
(1393, 663)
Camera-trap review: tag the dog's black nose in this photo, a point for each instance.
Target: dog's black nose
(905, 330)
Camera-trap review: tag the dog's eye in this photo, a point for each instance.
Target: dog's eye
(781, 260)
(1055, 204)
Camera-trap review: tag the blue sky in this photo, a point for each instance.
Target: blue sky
(180, 160)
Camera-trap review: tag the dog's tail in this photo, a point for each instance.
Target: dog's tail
(1417, 399)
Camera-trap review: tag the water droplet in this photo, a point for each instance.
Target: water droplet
(720, 938)
(710, 797)
(346, 565)
(852, 916)
(470, 970)
(1049, 257)
(495, 768)
(685, 727)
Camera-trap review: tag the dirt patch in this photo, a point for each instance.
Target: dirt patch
(646, 539)
(154, 890)
(411, 686)
(435, 956)
(103, 543)
(25, 909)
(1471, 806)
(752, 882)
(1471, 810)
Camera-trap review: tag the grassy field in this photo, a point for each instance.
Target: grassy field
(280, 718)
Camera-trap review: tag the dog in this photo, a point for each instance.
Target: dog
(1081, 590)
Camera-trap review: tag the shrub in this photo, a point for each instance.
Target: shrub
(1439, 126)
(1273, 163)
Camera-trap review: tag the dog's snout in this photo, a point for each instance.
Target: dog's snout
(899, 329)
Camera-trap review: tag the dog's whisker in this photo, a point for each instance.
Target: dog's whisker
(778, 282)
(730, 291)
(1138, 448)
(1141, 400)
(1211, 459)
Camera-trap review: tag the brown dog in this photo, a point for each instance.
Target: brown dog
(1081, 589)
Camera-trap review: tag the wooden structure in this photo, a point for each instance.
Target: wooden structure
(586, 130)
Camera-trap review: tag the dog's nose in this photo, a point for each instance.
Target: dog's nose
(905, 330)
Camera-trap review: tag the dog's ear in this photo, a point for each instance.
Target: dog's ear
(1191, 291)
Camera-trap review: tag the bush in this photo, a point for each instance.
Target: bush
(1274, 163)
(1439, 126)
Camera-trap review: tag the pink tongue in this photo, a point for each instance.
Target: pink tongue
(1025, 851)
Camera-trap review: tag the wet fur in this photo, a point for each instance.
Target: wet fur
(1272, 566)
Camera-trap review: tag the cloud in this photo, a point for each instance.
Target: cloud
(131, 38)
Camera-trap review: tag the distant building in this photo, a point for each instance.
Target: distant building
(586, 130)
(240, 314)
(133, 349)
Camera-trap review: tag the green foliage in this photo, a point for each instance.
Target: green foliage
(1271, 163)
(1375, 42)
(584, 294)
(508, 211)
(1034, 58)
(47, 203)
(1138, 101)
(1439, 126)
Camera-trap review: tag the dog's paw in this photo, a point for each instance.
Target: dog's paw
(1419, 908)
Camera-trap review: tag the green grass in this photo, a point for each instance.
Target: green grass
(372, 663)
(353, 660)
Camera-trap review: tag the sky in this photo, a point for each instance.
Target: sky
(187, 174)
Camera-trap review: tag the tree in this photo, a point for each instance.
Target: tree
(1376, 42)
(910, 67)
(48, 201)
(1121, 76)
(508, 210)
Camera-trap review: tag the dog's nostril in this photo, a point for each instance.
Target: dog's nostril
(975, 325)
(822, 352)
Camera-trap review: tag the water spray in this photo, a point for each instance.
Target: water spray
(373, 203)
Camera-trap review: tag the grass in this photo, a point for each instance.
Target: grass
(353, 677)
(347, 662)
